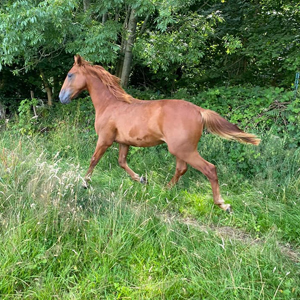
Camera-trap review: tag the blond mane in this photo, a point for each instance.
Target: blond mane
(110, 81)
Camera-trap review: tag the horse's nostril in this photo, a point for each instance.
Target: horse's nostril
(64, 97)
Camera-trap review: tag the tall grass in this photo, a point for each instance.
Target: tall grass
(123, 240)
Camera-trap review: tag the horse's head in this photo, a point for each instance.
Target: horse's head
(74, 83)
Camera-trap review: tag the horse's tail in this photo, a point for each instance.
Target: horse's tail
(215, 124)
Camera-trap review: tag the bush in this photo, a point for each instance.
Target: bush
(256, 108)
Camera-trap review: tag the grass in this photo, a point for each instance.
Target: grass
(123, 240)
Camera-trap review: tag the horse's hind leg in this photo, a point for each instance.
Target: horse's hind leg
(209, 170)
(123, 151)
(181, 168)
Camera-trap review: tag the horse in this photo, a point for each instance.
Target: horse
(128, 121)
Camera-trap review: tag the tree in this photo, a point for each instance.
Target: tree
(257, 42)
(118, 20)
(175, 43)
(104, 32)
(175, 47)
(32, 32)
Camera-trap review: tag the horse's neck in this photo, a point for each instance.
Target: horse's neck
(100, 95)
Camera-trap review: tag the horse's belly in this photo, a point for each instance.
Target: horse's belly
(140, 126)
(138, 137)
(139, 141)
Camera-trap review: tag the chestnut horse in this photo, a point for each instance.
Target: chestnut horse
(144, 123)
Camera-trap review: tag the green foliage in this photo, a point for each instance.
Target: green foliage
(26, 122)
(183, 43)
(231, 44)
(99, 40)
(178, 44)
(36, 118)
(264, 32)
(29, 26)
(257, 108)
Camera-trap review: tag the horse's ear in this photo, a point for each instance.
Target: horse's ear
(77, 60)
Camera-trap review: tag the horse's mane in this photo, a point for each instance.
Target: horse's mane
(110, 81)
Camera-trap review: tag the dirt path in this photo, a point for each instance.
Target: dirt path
(232, 233)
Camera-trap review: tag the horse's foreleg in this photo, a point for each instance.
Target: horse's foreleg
(181, 168)
(99, 151)
(123, 151)
(209, 170)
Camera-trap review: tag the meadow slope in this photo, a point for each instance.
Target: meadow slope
(123, 240)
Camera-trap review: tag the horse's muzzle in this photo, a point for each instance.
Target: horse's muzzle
(64, 97)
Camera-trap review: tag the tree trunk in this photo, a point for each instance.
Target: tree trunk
(144, 25)
(56, 87)
(128, 49)
(120, 62)
(86, 5)
(2, 111)
(33, 106)
(104, 18)
(47, 88)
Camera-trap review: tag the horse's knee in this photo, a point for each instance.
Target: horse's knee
(181, 170)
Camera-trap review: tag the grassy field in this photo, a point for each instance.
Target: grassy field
(123, 240)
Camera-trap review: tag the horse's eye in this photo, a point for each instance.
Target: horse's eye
(70, 75)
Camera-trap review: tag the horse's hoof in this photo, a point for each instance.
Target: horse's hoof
(143, 180)
(226, 207)
(85, 185)
(229, 210)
